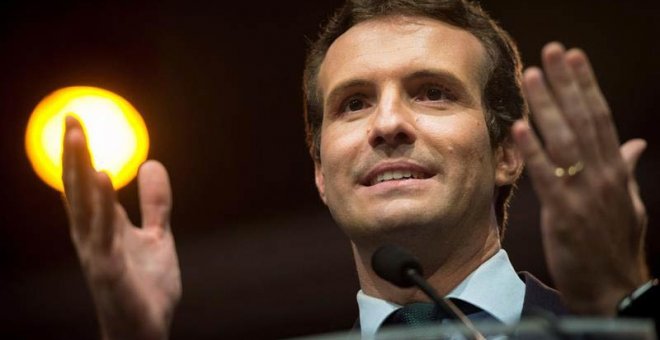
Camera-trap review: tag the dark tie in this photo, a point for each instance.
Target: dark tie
(421, 313)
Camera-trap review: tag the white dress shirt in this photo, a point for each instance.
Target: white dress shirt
(494, 287)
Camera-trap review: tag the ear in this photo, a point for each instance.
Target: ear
(508, 163)
(319, 178)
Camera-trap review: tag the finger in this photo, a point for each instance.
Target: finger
(104, 221)
(155, 195)
(571, 99)
(602, 116)
(538, 165)
(77, 173)
(559, 138)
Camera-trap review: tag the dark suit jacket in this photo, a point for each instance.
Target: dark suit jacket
(540, 299)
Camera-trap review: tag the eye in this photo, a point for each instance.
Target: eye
(434, 93)
(353, 104)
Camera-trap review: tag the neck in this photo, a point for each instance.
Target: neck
(446, 264)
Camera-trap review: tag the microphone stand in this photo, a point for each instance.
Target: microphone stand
(445, 304)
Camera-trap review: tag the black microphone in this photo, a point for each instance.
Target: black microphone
(395, 265)
(398, 267)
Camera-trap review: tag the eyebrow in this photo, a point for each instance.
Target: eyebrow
(434, 73)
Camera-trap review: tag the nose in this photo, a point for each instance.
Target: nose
(393, 122)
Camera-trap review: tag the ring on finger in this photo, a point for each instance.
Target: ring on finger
(570, 171)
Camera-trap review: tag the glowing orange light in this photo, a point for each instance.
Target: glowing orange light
(116, 134)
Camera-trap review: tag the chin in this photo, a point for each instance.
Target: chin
(399, 220)
(390, 225)
(405, 213)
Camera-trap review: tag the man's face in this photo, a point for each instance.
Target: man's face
(404, 140)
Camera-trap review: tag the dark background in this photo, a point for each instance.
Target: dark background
(219, 87)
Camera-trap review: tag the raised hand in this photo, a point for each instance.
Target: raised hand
(593, 221)
(133, 273)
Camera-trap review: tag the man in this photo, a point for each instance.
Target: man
(411, 108)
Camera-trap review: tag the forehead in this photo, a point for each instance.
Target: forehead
(400, 45)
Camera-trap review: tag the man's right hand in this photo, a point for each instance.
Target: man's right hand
(133, 272)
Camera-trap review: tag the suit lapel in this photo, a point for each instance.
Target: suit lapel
(540, 298)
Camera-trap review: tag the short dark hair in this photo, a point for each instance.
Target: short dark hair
(503, 100)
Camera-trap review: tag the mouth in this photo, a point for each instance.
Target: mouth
(395, 172)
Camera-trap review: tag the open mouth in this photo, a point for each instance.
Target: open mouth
(400, 171)
(396, 175)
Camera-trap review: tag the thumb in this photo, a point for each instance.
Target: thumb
(155, 195)
(631, 151)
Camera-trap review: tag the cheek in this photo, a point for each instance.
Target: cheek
(343, 138)
(478, 157)
(460, 128)
(338, 149)
(464, 142)
(476, 147)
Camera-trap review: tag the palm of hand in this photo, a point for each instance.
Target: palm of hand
(150, 280)
(134, 278)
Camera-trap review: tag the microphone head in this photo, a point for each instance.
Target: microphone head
(392, 263)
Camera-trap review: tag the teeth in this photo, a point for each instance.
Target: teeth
(395, 175)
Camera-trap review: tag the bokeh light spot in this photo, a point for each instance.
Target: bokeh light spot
(116, 134)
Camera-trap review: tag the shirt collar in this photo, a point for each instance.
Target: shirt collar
(372, 313)
(494, 287)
